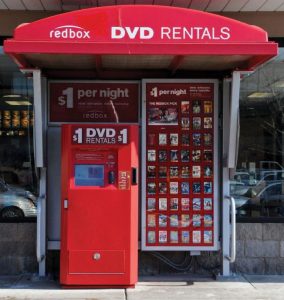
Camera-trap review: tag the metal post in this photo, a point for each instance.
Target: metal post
(232, 256)
(233, 125)
(41, 224)
(38, 119)
(39, 165)
(226, 183)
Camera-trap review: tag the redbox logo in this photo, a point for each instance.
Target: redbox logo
(69, 32)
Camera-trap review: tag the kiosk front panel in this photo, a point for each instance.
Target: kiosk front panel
(99, 205)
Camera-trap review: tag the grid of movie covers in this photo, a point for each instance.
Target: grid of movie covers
(179, 171)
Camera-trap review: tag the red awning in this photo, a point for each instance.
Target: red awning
(138, 38)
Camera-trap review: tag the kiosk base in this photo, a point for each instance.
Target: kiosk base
(98, 286)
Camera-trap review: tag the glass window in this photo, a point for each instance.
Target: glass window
(258, 183)
(18, 184)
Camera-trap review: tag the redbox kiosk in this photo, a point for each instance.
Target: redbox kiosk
(185, 170)
(99, 209)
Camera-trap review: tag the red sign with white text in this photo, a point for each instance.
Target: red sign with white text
(108, 102)
(133, 23)
(99, 135)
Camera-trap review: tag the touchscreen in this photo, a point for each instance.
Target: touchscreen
(89, 175)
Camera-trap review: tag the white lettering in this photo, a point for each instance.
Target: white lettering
(117, 33)
(90, 132)
(225, 33)
(100, 132)
(206, 34)
(187, 33)
(69, 32)
(110, 132)
(57, 34)
(114, 94)
(195, 33)
(176, 33)
(198, 29)
(165, 31)
(143, 33)
(146, 33)
(132, 33)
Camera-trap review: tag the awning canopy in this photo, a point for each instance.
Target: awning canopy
(137, 41)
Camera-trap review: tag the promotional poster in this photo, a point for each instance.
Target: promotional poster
(179, 164)
(100, 102)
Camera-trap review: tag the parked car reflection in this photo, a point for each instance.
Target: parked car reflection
(265, 199)
(15, 202)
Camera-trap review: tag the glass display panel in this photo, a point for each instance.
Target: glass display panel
(89, 175)
(179, 203)
(18, 181)
(258, 182)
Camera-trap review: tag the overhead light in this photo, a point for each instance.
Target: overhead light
(12, 96)
(278, 84)
(18, 103)
(260, 95)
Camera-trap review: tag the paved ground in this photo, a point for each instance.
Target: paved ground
(156, 288)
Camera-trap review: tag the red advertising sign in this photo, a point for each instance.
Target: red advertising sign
(107, 102)
(93, 135)
(179, 172)
(135, 23)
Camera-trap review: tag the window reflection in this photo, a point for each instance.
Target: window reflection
(258, 183)
(18, 185)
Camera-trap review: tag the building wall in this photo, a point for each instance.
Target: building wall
(17, 248)
(260, 250)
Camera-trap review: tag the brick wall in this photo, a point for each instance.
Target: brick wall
(260, 248)
(17, 248)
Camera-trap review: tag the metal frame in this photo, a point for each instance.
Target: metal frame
(38, 105)
(231, 93)
(226, 184)
(233, 121)
(39, 87)
(216, 245)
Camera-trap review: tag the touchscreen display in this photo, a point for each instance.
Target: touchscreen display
(89, 175)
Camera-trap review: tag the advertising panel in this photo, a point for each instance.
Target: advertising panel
(99, 102)
(179, 176)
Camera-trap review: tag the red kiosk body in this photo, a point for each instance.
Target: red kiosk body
(99, 205)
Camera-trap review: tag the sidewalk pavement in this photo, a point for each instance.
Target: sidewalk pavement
(150, 288)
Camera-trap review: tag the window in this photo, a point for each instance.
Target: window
(258, 183)
(18, 184)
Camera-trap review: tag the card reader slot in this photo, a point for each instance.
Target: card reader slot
(134, 176)
(111, 177)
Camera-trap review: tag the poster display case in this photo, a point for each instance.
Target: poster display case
(179, 165)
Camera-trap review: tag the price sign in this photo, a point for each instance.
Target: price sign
(100, 135)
